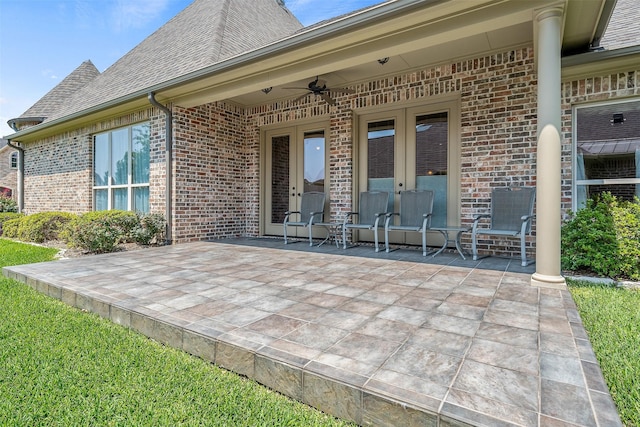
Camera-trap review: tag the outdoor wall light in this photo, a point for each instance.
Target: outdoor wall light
(618, 118)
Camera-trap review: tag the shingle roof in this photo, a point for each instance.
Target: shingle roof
(203, 34)
(56, 97)
(624, 27)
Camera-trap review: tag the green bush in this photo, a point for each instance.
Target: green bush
(101, 231)
(7, 204)
(150, 230)
(38, 227)
(6, 216)
(604, 238)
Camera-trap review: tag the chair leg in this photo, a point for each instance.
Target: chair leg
(474, 247)
(344, 236)
(386, 239)
(424, 241)
(310, 235)
(285, 234)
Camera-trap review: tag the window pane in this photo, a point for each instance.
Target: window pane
(608, 151)
(101, 200)
(314, 161)
(101, 160)
(140, 154)
(432, 144)
(120, 199)
(141, 199)
(119, 157)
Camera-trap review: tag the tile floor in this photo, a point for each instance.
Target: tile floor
(388, 339)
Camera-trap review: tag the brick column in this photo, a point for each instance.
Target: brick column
(548, 213)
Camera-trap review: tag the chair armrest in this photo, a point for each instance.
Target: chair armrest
(478, 217)
(527, 217)
(388, 216)
(347, 216)
(289, 213)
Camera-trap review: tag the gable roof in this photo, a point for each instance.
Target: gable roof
(203, 34)
(56, 97)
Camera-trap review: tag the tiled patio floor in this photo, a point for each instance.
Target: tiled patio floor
(389, 339)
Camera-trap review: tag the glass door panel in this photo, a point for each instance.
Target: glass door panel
(280, 180)
(381, 147)
(314, 161)
(431, 161)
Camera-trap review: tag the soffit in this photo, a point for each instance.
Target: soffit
(430, 33)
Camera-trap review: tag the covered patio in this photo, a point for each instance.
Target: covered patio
(388, 339)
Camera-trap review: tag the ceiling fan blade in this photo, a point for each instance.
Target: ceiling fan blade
(341, 90)
(296, 88)
(327, 99)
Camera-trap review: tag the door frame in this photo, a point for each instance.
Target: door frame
(296, 132)
(404, 115)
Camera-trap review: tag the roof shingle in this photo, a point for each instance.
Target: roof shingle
(205, 33)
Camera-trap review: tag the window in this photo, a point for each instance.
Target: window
(14, 160)
(121, 169)
(607, 151)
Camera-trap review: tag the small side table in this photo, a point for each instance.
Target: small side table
(447, 239)
(334, 231)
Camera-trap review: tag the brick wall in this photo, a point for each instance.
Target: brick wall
(211, 167)
(58, 170)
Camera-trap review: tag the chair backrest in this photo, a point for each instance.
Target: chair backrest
(371, 203)
(509, 205)
(413, 205)
(312, 201)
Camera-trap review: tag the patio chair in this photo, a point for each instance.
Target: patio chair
(311, 211)
(371, 211)
(416, 210)
(511, 216)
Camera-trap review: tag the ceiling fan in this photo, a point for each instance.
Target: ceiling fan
(319, 88)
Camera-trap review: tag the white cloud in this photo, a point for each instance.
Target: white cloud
(135, 13)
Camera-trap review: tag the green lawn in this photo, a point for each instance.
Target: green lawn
(611, 317)
(63, 367)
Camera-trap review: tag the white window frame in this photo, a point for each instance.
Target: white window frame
(14, 160)
(110, 186)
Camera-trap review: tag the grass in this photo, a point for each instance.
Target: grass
(611, 316)
(62, 366)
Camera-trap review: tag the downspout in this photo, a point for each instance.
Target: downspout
(168, 166)
(20, 174)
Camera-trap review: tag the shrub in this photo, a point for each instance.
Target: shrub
(38, 227)
(604, 238)
(6, 216)
(150, 230)
(101, 231)
(7, 204)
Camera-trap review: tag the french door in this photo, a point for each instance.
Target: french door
(412, 148)
(296, 162)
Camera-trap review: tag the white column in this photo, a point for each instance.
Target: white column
(548, 213)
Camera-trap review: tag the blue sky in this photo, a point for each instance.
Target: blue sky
(42, 41)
